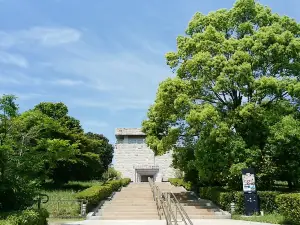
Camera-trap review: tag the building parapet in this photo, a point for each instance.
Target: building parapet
(129, 131)
(156, 167)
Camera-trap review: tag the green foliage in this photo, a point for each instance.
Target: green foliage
(95, 194)
(16, 193)
(44, 144)
(224, 197)
(111, 174)
(234, 102)
(274, 218)
(289, 207)
(125, 181)
(181, 182)
(62, 200)
(27, 217)
(57, 145)
(52, 110)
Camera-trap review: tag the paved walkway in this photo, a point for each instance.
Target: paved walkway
(163, 222)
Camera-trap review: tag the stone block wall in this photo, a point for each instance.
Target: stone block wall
(129, 155)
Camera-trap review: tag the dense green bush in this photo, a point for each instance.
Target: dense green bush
(125, 181)
(27, 217)
(111, 174)
(181, 182)
(21, 193)
(95, 194)
(223, 198)
(289, 207)
(220, 197)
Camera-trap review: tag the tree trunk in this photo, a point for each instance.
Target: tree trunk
(290, 184)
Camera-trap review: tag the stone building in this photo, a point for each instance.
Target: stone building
(135, 160)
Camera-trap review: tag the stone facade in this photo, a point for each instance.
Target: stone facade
(135, 160)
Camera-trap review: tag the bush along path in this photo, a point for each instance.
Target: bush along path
(271, 202)
(26, 217)
(95, 194)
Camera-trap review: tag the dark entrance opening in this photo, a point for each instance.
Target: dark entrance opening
(144, 178)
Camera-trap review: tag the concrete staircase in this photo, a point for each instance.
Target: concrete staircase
(200, 208)
(194, 207)
(134, 202)
(134, 205)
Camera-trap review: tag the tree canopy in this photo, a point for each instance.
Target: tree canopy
(234, 101)
(42, 145)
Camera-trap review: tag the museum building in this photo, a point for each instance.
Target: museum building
(135, 160)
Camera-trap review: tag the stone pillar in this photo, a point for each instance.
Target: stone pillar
(125, 139)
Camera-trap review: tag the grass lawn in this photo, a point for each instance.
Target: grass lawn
(268, 218)
(62, 202)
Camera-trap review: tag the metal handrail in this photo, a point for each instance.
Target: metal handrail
(164, 204)
(160, 203)
(181, 210)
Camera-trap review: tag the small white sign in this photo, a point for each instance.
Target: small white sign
(248, 182)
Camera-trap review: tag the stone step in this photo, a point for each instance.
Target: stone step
(136, 188)
(199, 213)
(104, 213)
(130, 204)
(126, 198)
(210, 216)
(132, 200)
(198, 204)
(133, 195)
(192, 210)
(129, 209)
(129, 217)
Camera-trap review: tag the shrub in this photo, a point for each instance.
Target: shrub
(28, 217)
(181, 182)
(111, 174)
(95, 194)
(125, 181)
(289, 207)
(223, 198)
(268, 201)
(21, 194)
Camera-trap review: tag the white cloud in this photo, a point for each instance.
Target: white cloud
(24, 96)
(51, 36)
(113, 105)
(67, 82)
(29, 96)
(45, 36)
(6, 40)
(13, 59)
(18, 78)
(124, 78)
(126, 72)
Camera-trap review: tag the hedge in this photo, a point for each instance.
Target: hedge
(95, 194)
(223, 198)
(181, 182)
(125, 181)
(289, 207)
(27, 217)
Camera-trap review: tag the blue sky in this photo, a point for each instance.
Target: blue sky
(103, 58)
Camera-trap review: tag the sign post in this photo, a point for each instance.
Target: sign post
(250, 192)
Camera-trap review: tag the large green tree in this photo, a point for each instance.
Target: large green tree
(236, 86)
(91, 153)
(44, 144)
(16, 190)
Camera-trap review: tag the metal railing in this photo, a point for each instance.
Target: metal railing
(168, 206)
(61, 208)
